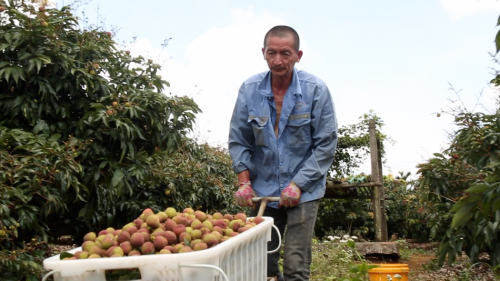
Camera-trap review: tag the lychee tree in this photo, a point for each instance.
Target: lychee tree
(197, 176)
(79, 120)
(462, 187)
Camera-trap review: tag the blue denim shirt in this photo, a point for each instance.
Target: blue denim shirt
(307, 135)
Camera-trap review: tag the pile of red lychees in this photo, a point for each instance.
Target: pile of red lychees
(166, 232)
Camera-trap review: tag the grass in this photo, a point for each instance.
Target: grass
(338, 261)
(330, 262)
(405, 252)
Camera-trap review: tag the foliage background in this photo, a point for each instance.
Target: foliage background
(89, 137)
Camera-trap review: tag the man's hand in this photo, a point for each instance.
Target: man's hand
(290, 196)
(243, 196)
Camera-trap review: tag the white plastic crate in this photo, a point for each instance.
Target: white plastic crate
(241, 258)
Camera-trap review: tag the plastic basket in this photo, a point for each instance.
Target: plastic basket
(241, 258)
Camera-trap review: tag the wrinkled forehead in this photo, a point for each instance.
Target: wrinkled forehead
(285, 36)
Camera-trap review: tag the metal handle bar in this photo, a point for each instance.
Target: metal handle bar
(268, 199)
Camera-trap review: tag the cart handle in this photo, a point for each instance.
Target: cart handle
(49, 274)
(263, 202)
(279, 239)
(207, 266)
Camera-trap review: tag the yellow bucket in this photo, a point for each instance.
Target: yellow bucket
(397, 271)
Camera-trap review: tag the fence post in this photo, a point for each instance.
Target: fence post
(385, 235)
(376, 178)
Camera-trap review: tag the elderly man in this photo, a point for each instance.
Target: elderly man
(282, 140)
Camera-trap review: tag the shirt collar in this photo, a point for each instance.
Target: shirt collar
(264, 87)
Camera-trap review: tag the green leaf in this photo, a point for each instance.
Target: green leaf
(35, 62)
(459, 204)
(485, 209)
(497, 41)
(117, 177)
(18, 73)
(65, 255)
(478, 188)
(6, 72)
(39, 126)
(98, 105)
(72, 141)
(493, 164)
(351, 244)
(131, 150)
(496, 205)
(82, 211)
(463, 215)
(493, 226)
(8, 38)
(4, 46)
(54, 137)
(24, 56)
(354, 268)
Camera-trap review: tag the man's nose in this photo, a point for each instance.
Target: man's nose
(278, 60)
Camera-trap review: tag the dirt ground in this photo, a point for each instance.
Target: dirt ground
(417, 261)
(423, 266)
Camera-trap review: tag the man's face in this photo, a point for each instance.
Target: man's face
(280, 55)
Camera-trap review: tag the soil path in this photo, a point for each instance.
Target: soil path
(416, 262)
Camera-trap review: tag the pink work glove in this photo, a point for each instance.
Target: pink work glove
(243, 196)
(290, 196)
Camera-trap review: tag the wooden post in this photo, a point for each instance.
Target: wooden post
(385, 236)
(376, 200)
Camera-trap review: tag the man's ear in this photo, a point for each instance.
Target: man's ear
(263, 53)
(299, 54)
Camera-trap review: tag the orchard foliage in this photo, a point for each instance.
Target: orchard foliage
(463, 184)
(354, 145)
(403, 209)
(197, 176)
(76, 90)
(405, 217)
(33, 169)
(465, 180)
(89, 137)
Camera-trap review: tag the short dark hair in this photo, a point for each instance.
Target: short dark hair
(282, 31)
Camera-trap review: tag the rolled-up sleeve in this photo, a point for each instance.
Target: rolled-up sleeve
(324, 135)
(241, 137)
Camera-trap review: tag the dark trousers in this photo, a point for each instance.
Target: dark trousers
(299, 222)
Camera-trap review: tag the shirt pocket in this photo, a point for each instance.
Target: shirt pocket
(299, 129)
(258, 125)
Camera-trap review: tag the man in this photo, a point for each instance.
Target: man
(282, 140)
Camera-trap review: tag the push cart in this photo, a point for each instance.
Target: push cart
(241, 258)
